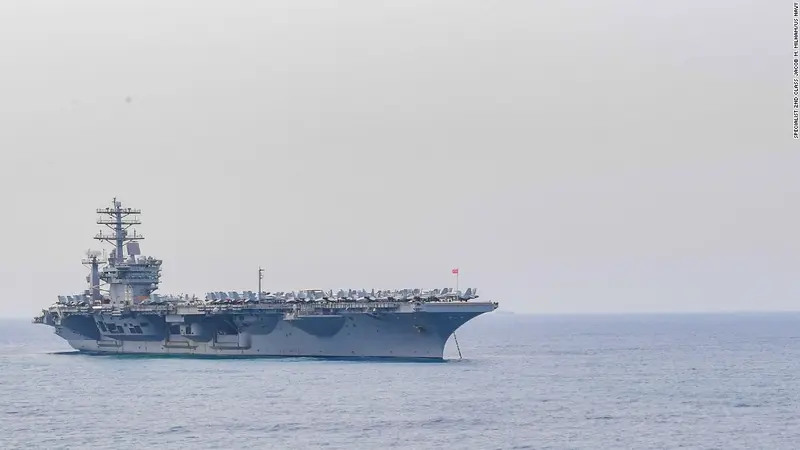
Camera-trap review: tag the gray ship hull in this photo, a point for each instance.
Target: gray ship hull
(420, 332)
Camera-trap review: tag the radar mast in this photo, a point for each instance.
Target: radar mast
(119, 220)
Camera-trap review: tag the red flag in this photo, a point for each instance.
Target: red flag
(455, 271)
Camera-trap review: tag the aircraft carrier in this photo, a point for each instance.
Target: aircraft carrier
(120, 313)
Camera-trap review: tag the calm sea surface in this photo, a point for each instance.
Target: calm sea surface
(559, 382)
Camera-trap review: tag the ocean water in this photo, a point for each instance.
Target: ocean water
(534, 382)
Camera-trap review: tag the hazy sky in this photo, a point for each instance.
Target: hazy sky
(581, 156)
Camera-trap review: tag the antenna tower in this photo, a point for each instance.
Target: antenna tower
(118, 219)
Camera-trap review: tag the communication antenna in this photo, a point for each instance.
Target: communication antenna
(119, 219)
(260, 277)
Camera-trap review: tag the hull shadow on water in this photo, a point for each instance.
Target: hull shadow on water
(363, 359)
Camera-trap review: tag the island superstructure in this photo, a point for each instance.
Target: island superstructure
(119, 312)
